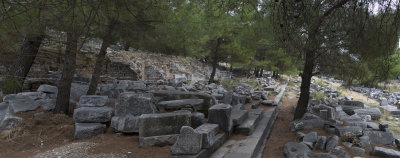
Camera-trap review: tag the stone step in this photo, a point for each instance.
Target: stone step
(248, 126)
(252, 145)
(239, 116)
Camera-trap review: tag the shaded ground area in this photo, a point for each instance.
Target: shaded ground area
(44, 131)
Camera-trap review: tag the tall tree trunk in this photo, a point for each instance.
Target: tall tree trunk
(64, 85)
(302, 104)
(261, 73)
(22, 64)
(256, 71)
(98, 68)
(215, 61)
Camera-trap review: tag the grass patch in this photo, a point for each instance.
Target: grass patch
(318, 95)
(229, 84)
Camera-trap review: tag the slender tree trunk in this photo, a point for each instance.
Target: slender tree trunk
(256, 71)
(98, 68)
(261, 73)
(22, 64)
(302, 104)
(64, 85)
(215, 61)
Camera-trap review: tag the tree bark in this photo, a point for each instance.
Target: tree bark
(302, 104)
(22, 64)
(215, 61)
(64, 85)
(256, 71)
(98, 68)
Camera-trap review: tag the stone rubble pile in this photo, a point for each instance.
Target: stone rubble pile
(346, 120)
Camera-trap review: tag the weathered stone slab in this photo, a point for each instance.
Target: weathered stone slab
(48, 89)
(331, 142)
(93, 114)
(250, 124)
(209, 132)
(228, 97)
(307, 124)
(358, 151)
(380, 137)
(135, 104)
(221, 114)
(88, 130)
(158, 140)
(238, 99)
(179, 104)
(22, 103)
(189, 142)
(365, 141)
(163, 124)
(178, 95)
(384, 152)
(92, 101)
(341, 130)
(374, 112)
(339, 151)
(239, 116)
(321, 142)
(323, 155)
(126, 124)
(197, 119)
(47, 104)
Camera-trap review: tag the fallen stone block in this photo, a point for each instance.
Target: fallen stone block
(21, 103)
(307, 124)
(209, 132)
(321, 142)
(331, 142)
(135, 104)
(92, 101)
(179, 104)
(9, 121)
(239, 116)
(358, 151)
(158, 140)
(48, 89)
(293, 149)
(93, 114)
(339, 151)
(384, 152)
(228, 97)
(374, 112)
(189, 142)
(380, 137)
(365, 141)
(126, 124)
(323, 155)
(47, 104)
(178, 95)
(238, 99)
(342, 130)
(310, 137)
(197, 119)
(163, 123)
(88, 130)
(221, 114)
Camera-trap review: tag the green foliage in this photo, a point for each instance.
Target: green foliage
(229, 84)
(10, 85)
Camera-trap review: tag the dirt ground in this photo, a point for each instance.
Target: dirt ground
(46, 131)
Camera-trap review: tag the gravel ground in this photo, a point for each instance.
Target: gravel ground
(76, 150)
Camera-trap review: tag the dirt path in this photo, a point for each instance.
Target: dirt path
(281, 133)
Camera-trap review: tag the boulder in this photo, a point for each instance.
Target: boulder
(126, 124)
(9, 121)
(93, 114)
(293, 149)
(135, 104)
(374, 112)
(163, 123)
(189, 142)
(365, 141)
(221, 114)
(331, 142)
(386, 153)
(88, 130)
(48, 89)
(92, 101)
